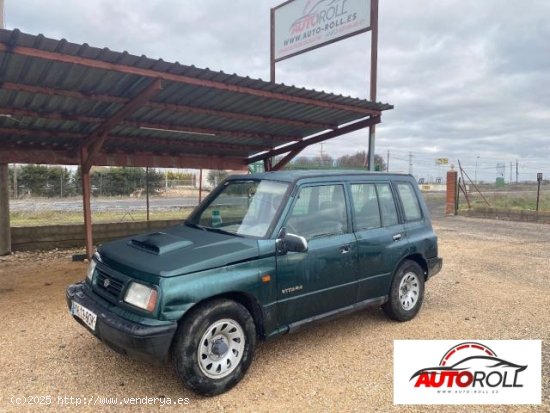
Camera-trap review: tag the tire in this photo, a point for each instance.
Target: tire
(214, 347)
(406, 293)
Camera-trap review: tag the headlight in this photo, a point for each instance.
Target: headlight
(91, 269)
(141, 296)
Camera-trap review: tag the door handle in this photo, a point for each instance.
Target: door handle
(345, 249)
(396, 237)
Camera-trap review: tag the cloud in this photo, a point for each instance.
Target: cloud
(468, 78)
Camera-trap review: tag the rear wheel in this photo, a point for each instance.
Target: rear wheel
(407, 292)
(214, 347)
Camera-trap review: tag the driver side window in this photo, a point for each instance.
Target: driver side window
(319, 211)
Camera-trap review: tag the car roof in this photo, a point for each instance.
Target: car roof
(295, 175)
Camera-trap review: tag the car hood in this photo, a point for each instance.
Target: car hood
(176, 251)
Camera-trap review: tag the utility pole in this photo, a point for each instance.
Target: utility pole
(511, 169)
(517, 173)
(410, 163)
(475, 172)
(147, 192)
(388, 162)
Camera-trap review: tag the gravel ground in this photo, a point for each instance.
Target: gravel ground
(494, 285)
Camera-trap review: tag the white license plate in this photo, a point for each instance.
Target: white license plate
(84, 314)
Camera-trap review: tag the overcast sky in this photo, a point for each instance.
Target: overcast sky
(468, 78)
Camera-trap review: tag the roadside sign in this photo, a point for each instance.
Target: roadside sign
(303, 25)
(539, 176)
(442, 161)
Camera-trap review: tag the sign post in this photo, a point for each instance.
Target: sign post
(373, 75)
(298, 26)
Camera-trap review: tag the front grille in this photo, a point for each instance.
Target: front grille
(108, 284)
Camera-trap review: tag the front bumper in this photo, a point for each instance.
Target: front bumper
(124, 336)
(434, 266)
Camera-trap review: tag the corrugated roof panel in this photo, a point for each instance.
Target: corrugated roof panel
(62, 76)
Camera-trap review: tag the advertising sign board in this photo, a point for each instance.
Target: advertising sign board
(302, 25)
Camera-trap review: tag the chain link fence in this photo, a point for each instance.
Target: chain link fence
(52, 195)
(527, 201)
(513, 196)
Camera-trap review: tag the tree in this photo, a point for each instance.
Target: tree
(120, 181)
(180, 178)
(360, 160)
(315, 162)
(40, 180)
(10, 178)
(215, 176)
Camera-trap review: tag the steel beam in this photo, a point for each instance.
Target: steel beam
(167, 106)
(207, 131)
(272, 46)
(239, 116)
(20, 87)
(136, 124)
(283, 162)
(268, 164)
(187, 145)
(137, 159)
(95, 140)
(86, 202)
(315, 139)
(5, 230)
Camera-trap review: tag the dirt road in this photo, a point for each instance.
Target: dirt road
(494, 285)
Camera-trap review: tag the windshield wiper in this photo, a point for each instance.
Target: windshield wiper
(221, 231)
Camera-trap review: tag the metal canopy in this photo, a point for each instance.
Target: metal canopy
(66, 103)
(58, 98)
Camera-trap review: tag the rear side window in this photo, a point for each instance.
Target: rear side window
(411, 208)
(387, 205)
(365, 204)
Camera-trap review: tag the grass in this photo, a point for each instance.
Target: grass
(515, 201)
(26, 219)
(509, 199)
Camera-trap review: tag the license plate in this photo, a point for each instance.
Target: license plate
(84, 314)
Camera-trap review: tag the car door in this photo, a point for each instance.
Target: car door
(323, 278)
(417, 221)
(381, 237)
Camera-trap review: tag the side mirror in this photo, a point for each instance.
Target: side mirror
(287, 242)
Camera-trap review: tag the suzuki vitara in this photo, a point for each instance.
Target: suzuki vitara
(263, 255)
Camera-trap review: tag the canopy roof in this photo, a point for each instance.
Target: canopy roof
(66, 103)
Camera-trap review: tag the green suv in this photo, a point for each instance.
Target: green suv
(263, 255)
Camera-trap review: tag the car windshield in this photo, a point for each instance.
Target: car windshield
(243, 207)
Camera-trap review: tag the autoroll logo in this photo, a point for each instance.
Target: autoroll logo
(470, 365)
(301, 25)
(319, 15)
(468, 372)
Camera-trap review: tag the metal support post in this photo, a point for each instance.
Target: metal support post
(5, 230)
(373, 75)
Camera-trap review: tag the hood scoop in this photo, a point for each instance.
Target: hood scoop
(159, 243)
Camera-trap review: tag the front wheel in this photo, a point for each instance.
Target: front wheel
(214, 347)
(406, 293)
